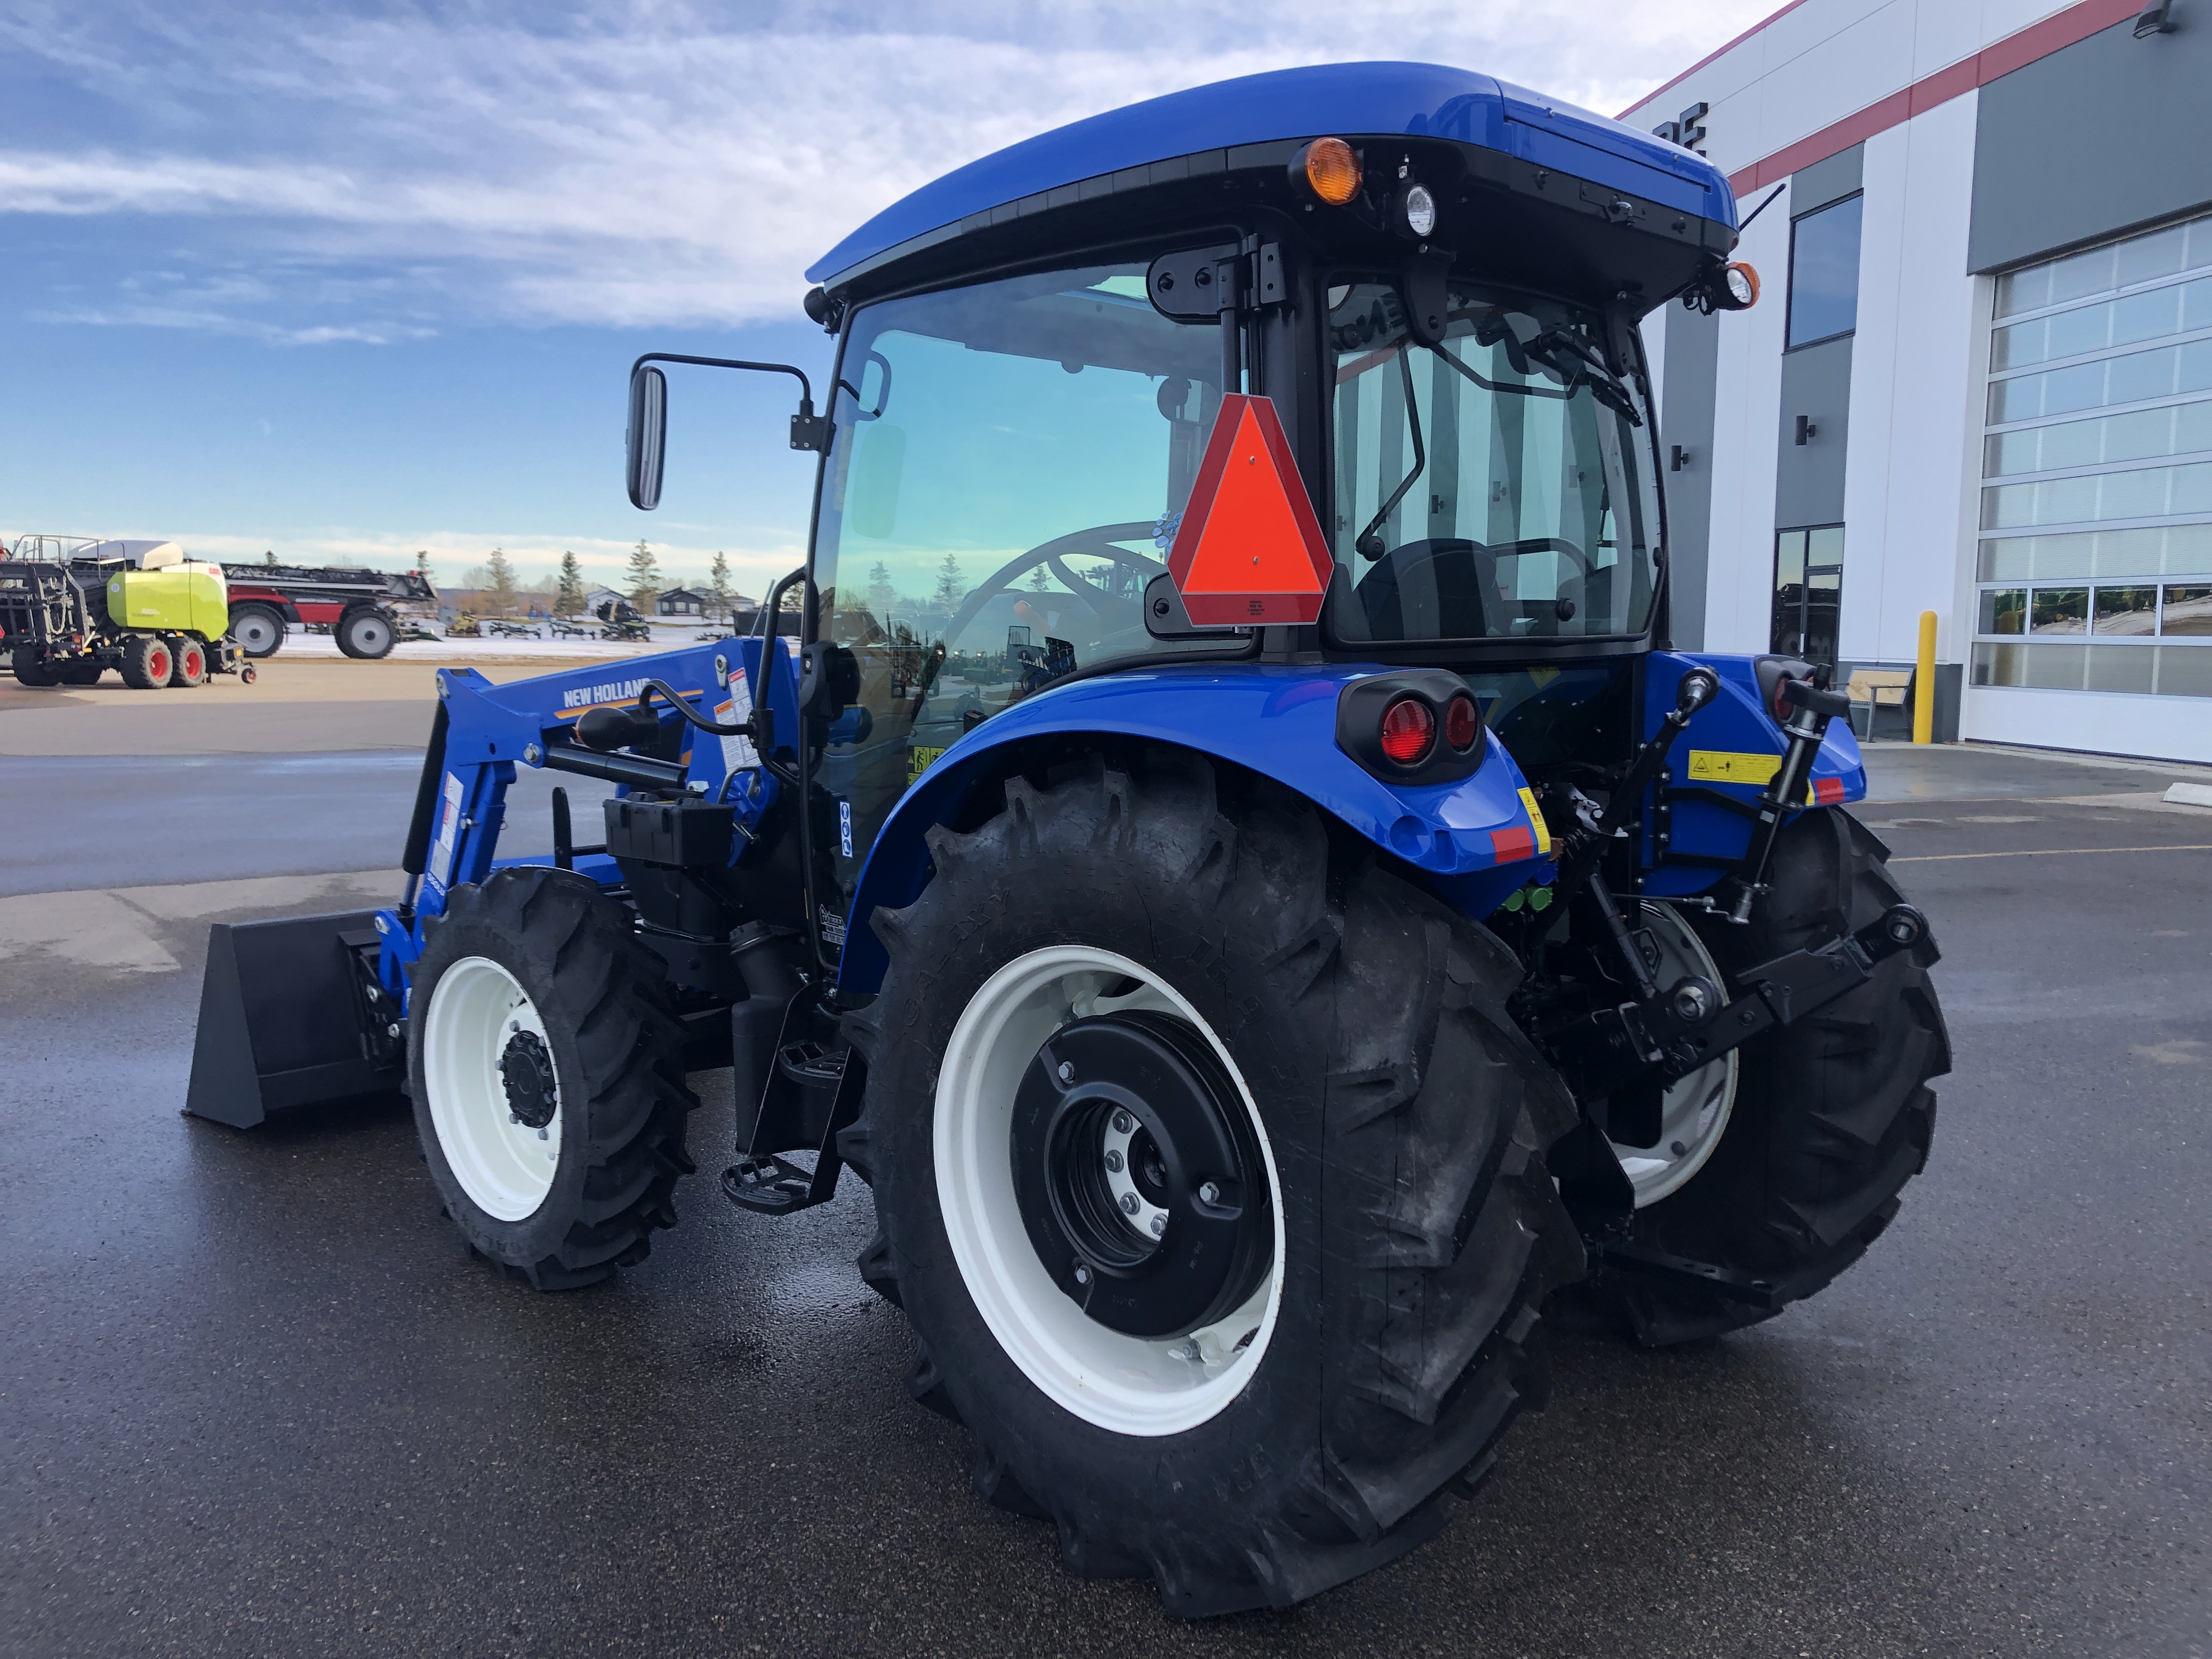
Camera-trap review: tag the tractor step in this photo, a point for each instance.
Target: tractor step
(770, 1186)
(813, 1066)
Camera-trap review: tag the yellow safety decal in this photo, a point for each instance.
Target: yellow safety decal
(920, 760)
(1756, 771)
(1719, 766)
(1537, 817)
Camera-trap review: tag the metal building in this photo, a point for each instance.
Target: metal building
(1980, 379)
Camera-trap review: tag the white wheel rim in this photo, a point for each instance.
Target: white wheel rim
(254, 634)
(1694, 1113)
(506, 1167)
(1127, 1384)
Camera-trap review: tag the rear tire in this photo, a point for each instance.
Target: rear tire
(32, 668)
(534, 1009)
(188, 665)
(1832, 1114)
(82, 673)
(147, 662)
(366, 633)
(1401, 1111)
(258, 630)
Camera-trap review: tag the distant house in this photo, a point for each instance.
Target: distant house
(599, 596)
(682, 602)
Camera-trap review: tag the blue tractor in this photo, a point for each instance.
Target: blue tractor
(1215, 837)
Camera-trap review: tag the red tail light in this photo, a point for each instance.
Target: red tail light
(1409, 729)
(1462, 726)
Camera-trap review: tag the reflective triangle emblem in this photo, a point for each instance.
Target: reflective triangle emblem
(1250, 549)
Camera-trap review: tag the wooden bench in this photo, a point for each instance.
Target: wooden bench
(1877, 688)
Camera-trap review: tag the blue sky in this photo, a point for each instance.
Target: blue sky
(354, 281)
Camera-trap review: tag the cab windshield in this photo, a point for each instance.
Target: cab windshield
(1009, 461)
(1494, 487)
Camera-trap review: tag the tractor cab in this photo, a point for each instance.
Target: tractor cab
(1431, 277)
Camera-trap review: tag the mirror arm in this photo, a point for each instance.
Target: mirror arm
(808, 430)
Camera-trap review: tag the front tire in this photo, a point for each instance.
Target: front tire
(1832, 1114)
(547, 1075)
(258, 630)
(189, 663)
(1393, 1120)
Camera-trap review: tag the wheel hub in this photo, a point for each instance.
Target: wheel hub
(526, 1067)
(1134, 1172)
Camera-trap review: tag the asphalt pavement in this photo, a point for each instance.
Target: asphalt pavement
(255, 1398)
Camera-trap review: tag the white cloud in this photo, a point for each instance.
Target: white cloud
(663, 165)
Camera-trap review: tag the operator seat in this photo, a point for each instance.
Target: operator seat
(1431, 589)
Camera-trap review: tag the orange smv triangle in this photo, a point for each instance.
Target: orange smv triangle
(1250, 550)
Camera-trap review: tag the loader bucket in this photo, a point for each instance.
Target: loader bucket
(286, 1018)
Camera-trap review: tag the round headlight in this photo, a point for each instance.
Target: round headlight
(1742, 285)
(1420, 211)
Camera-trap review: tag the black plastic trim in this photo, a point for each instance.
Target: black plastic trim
(1359, 708)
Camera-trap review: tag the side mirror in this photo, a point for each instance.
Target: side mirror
(648, 436)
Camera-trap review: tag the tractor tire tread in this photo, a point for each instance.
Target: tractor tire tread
(1442, 1234)
(611, 993)
(1838, 1106)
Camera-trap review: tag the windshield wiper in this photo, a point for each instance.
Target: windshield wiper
(1583, 365)
(1589, 368)
(1369, 544)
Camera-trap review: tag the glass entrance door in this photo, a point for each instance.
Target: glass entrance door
(1808, 589)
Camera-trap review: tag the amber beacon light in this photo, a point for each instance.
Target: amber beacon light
(1330, 169)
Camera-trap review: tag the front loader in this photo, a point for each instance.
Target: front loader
(1215, 837)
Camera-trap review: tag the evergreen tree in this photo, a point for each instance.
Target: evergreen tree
(269, 557)
(881, 595)
(951, 585)
(644, 577)
(568, 597)
(719, 591)
(1039, 582)
(501, 571)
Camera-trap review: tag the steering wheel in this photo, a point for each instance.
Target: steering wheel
(1111, 612)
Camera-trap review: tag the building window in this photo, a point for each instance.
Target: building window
(2095, 569)
(1808, 588)
(1824, 272)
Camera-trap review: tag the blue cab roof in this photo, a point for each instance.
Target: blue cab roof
(1417, 99)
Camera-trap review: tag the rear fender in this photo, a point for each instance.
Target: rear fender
(1476, 840)
(1699, 822)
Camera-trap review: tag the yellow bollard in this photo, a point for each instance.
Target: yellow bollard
(1924, 682)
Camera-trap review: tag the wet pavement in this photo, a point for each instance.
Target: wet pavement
(255, 1398)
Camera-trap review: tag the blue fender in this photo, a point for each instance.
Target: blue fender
(1728, 755)
(1478, 839)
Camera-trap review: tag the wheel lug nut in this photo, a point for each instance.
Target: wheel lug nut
(1113, 1162)
(1082, 1275)
(1123, 1123)
(541, 1135)
(1129, 1204)
(1067, 1071)
(1678, 1149)
(1160, 1225)
(1208, 1192)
